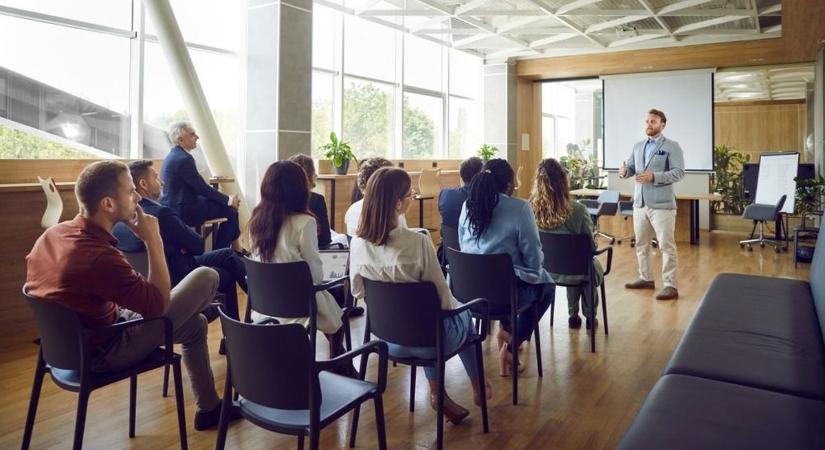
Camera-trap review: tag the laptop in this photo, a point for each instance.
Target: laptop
(335, 263)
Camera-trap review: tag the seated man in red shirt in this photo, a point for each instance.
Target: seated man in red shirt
(76, 264)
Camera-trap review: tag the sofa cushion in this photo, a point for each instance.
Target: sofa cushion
(684, 412)
(817, 277)
(756, 331)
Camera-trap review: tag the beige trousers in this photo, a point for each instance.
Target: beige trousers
(661, 224)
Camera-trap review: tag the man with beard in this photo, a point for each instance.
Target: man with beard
(658, 163)
(76, 264)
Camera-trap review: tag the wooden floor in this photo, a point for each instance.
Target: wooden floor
(584, 400)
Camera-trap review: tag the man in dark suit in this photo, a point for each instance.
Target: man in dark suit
(190, 196)
(450, 201)
(183, 247)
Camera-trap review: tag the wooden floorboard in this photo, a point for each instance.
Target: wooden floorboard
(584, 400)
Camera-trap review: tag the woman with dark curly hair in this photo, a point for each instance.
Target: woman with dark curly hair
(493, 222)
(555, 213)
(365, 171)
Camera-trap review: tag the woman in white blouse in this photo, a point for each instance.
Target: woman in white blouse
(283, 230)
(384, 251)
(365, 171)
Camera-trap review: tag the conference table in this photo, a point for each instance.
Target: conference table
(692, 199)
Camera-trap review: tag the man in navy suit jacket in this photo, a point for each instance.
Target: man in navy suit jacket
(190, 196)
(450, 201)
(182, 247)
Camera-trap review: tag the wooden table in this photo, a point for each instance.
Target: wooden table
(693, 200)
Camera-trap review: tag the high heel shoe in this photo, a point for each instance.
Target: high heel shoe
(454, 412)
(505, 363)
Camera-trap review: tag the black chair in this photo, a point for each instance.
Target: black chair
(66, 353)
(283, 389)
(572, 254)
(606, 205)
(449, 239)
(410, 314)
(286, 290)
(492, 277)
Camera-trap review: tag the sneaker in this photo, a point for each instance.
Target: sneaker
(640, 284)
(205, 420)
(668, 293)
(574, 321)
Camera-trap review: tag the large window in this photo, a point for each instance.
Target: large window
(73, 84)
(389, 93)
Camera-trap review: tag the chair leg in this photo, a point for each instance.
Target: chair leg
(132, 404)
(413, 371)
(301, 442)
(356, 414)
(184, 445)
(314, 438)
(439, 419)
(483, 386)
(166, 380)
(537, 336)
(553, 310)
(379, 422)
(80, 421)
(604, 308)
(514, 364)
(39, 373)
(347, 335)
(593, 332)
(223, 423)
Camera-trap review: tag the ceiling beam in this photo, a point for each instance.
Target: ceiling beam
(613, 23)
(684, 4)
(635, 39)
(755, 12)
(575, 5)
(658, 19)
(566, 22)
(707, 23)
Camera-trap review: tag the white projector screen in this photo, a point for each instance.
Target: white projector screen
(686, 98)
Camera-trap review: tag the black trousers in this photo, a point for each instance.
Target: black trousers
(231, 270)
(194, 215)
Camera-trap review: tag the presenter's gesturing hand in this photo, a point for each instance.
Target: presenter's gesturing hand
(645, 177)
(623, 170)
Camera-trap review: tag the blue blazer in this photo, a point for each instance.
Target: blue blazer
(180, 243)
(183, 185)
(450, 202)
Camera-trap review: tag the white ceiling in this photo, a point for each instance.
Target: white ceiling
(502, 29)
(763, 83)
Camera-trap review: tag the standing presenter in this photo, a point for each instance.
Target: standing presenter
(657, 163)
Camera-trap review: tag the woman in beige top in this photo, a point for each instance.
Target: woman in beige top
(384, 251)
(282, 230)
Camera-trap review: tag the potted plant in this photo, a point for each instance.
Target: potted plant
(487, 152)
(339, 152)
(727, 180)
(809, 197)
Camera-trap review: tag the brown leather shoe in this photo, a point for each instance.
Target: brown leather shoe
(668, 293)
(640, 284)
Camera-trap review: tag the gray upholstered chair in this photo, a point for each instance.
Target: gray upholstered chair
(607, 204)
(762, 213)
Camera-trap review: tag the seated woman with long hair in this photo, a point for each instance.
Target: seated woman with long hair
(555, 213)
(282, 230)
(384, 251)
(366, 169)
(493, 222)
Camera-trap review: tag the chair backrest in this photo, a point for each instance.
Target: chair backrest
(270, 364)
(482, 276)
(403, 313)
(608, 203)
(780, 204)
(428, 183)
(280, 289)
(567, 254)
(60, 332)
(626, 207)
(139, 261)
(54, 204)
(817, 279)
(449, 239)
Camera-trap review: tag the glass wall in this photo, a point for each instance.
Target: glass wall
(392, 94)
(571, 127)
(71, 90)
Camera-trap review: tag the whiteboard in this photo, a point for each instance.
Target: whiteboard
(686, 98)
(776, 178)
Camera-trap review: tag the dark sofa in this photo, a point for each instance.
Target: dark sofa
(749, 372)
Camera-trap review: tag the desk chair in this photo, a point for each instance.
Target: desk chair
(284, 390)
(626, 211)
(66, 353)
(54, 204)
(607, 204)
(429, 187)
(760, 213)
(410, 314)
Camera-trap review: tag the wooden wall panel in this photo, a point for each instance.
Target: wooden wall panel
(761, 127)
(62, 170)
(528, 120)
(802, 33)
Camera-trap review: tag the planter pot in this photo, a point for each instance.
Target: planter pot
(343, 169)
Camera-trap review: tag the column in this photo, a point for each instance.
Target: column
(500, 110)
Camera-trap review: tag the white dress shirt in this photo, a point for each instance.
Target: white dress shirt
(353, 215)
(407, 257)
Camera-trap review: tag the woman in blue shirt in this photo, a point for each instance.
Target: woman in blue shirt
(493, 222)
